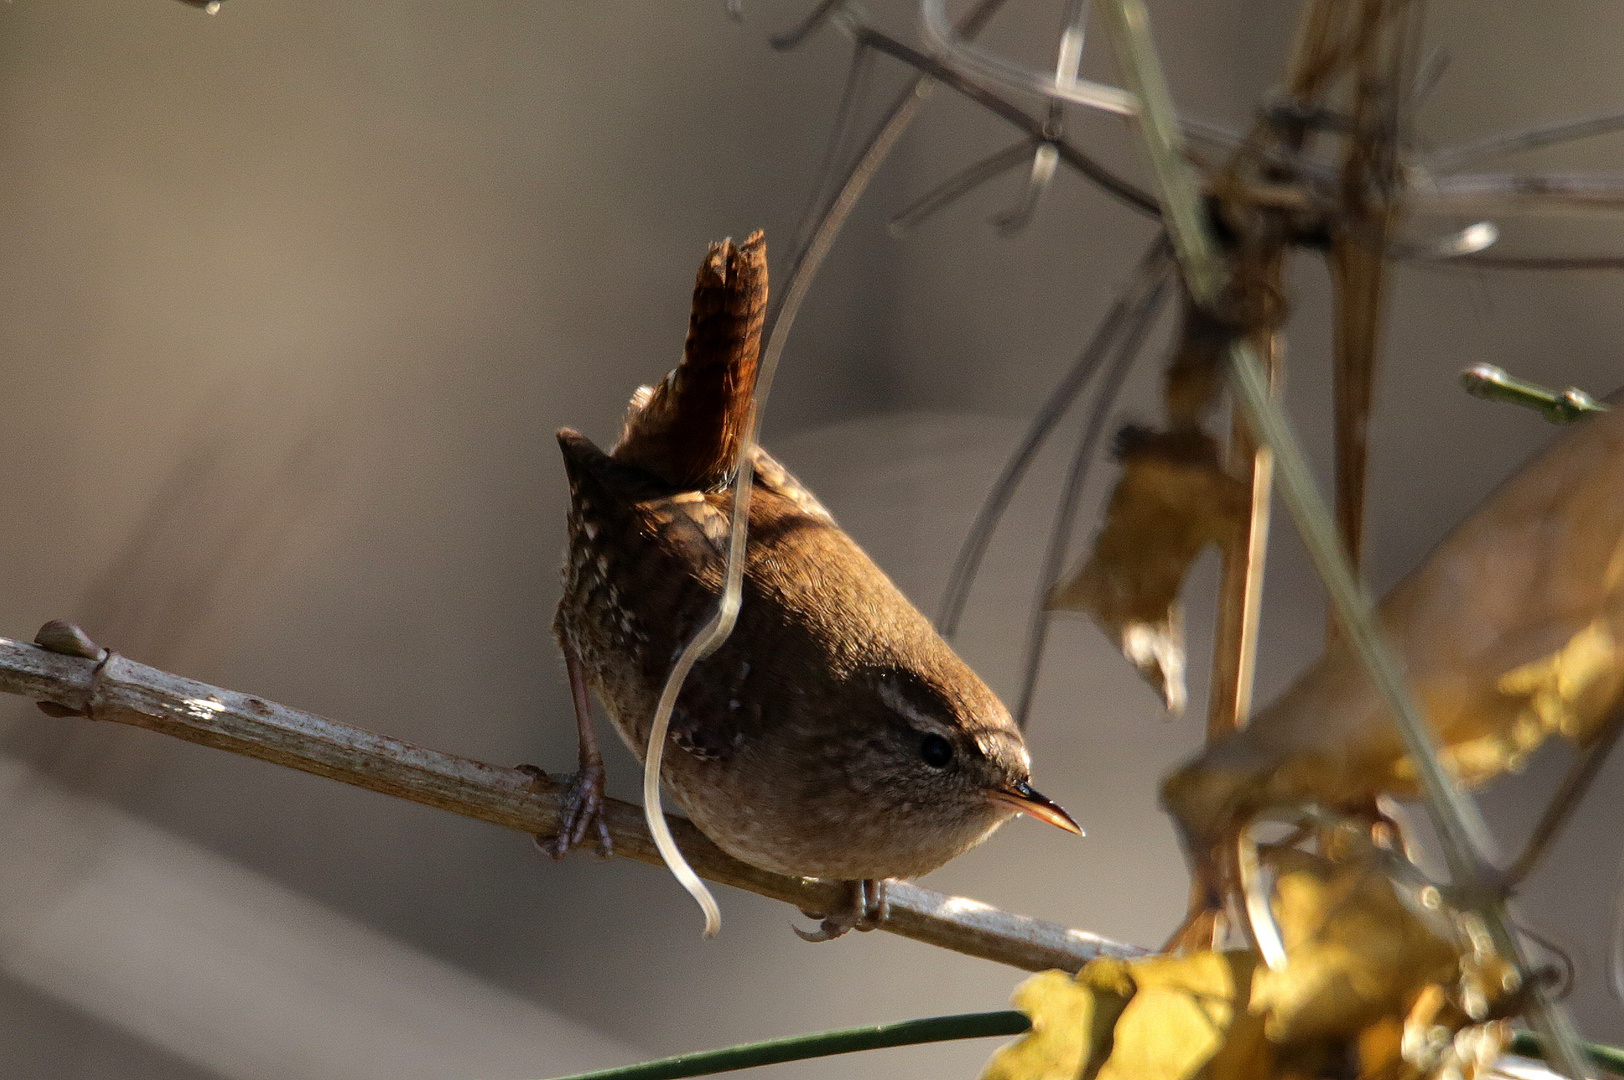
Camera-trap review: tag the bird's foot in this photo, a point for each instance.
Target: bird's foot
(1201, 931)
(864, 907)
(581, 808)
(1206, 922)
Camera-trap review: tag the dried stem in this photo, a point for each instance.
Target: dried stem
(1380, 66)
(1359, 271)
(1503, 194)
(1085, 165)
(1567, 797)
(1451, 158)
(1240, 589)
(121, 690)
(1124, 340)
(1155, 266)
(1528, 262)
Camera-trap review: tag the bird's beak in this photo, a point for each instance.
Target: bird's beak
(1028, 802)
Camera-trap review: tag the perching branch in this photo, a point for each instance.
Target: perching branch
(120, 690)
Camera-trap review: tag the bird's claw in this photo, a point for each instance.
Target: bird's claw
(581, 807)
(864, 908)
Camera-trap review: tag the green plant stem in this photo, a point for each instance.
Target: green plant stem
(798, 1047)
(929, 1030)
(1558, 406)
(1528, 1044)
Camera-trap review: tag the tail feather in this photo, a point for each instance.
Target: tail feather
(686, 431)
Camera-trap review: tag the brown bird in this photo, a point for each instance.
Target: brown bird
(834, 735)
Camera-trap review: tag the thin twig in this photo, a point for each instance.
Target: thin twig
(1557, 406)
(1132, 337)
(957, 53)
(792, 38)
(1500, 194)
(1092, 170)
(120, 690)
(957, 186)
(1525, 262)
(1013, 222)
(1451, 158)
(1568, 796)
(830, 178)
(1062, 86)
(1380, 65)
(1240, 588)
(1528, 1044)
(1069, 55)
(1154, 266)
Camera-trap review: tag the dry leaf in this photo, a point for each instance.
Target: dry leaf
(1436, 1038)
(1161, 1018)
(1355, 952)
(1183, 1020)
(1172, 501)
(1511, 631)
(1369, 985)
(1071, 1027)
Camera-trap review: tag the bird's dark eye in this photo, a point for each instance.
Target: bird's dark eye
(935, 751)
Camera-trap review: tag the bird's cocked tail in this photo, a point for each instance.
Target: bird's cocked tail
(686, 430)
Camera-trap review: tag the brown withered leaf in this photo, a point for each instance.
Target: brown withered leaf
(1511, 631)
(1173, 500)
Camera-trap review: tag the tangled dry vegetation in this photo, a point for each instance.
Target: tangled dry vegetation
(1315, 945)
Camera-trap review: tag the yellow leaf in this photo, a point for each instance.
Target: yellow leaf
(1381, 1051)
(1183, 1021)
(1355, 953)
(1368, 984)
(1071, 1024)
(1570, 690)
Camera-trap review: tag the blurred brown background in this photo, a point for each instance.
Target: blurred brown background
(291, 301)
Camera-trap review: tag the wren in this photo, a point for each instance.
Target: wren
(835, 734)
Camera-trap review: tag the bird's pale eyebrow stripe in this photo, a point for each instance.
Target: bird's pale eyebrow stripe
(891, 694)
(895, 700)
